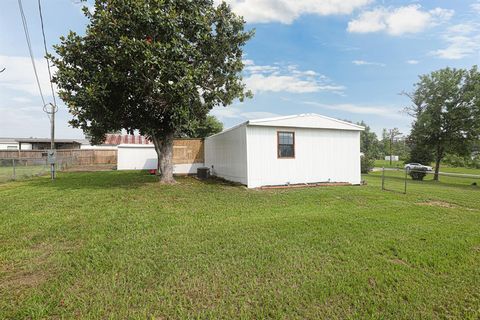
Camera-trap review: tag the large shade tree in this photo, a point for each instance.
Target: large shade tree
(446, 108)
(156, 66)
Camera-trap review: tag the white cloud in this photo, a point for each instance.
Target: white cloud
(21, 110)
(19, 75)
(261, 69)
(277, 78)
(259, 115)
(412, 61)
(29, 120)
(237, 112)
(368, 63)
(475, 6)
(383, 111)
(462, 40)
(21, 100)
(398, 21)
(248, 62)
(458, 47)
(286, 11)
(287, 83)
(368, 21)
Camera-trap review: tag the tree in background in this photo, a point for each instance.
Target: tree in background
(206, 127)
(393, 135)
(393, 144)
(419, 153)
(401, 147)
(446, 108)
(370, 148)
(385, 143)
(156, 66)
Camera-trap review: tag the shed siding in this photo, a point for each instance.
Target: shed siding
(144, 157)
(321, 155)
(226, 154)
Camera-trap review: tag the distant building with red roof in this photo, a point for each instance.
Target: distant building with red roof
(112, 140)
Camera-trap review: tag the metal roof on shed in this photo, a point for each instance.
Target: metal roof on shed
(307, 120)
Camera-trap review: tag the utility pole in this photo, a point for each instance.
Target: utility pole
(52, 142)
(50, 109)
(393, 133)
(52, 153)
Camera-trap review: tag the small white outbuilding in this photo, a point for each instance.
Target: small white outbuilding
(306, 148)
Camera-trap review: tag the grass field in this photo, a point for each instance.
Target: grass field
(443, 168)
(386, 164)
(119, 245)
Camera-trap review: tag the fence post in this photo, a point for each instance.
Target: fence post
(406, 177)
(14, 173)
(383, 178)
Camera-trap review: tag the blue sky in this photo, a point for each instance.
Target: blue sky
(347, 59)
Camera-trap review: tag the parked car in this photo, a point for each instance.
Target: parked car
(413, 166)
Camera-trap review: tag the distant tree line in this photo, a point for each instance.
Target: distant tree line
(446, 126)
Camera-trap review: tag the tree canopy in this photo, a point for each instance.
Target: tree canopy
(156, 66)
(446, 108)
(205, 127)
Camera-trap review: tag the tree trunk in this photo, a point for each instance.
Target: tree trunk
(164, 148)
(437, 168)
(391, 143)
(438, 159)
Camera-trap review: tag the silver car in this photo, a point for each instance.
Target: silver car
(413, 166)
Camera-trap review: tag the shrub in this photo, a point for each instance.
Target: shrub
(418, 173)
(458, 161)
(475, 163)
(454, 160)
(366, 164)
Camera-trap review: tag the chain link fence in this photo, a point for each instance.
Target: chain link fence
(18, 169)
(19, 165)
(25, 168)
(399, 180)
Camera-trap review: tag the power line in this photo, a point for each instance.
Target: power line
(54, 105)
(46, 54)
(29, 44)
(51, 114)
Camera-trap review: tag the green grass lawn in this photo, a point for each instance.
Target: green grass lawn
(386, 164)
(119, 245)
(443, 167)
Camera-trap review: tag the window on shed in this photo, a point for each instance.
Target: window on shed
(286, 144)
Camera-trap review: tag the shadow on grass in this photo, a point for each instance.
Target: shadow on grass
(96, 180)
(103, 180)
(218, 181)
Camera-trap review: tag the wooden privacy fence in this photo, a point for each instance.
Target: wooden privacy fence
(72, 156)
(186, 151)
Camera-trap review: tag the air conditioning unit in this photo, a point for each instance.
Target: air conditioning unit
(203, 173)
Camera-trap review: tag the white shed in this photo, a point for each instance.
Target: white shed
(307, 148)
